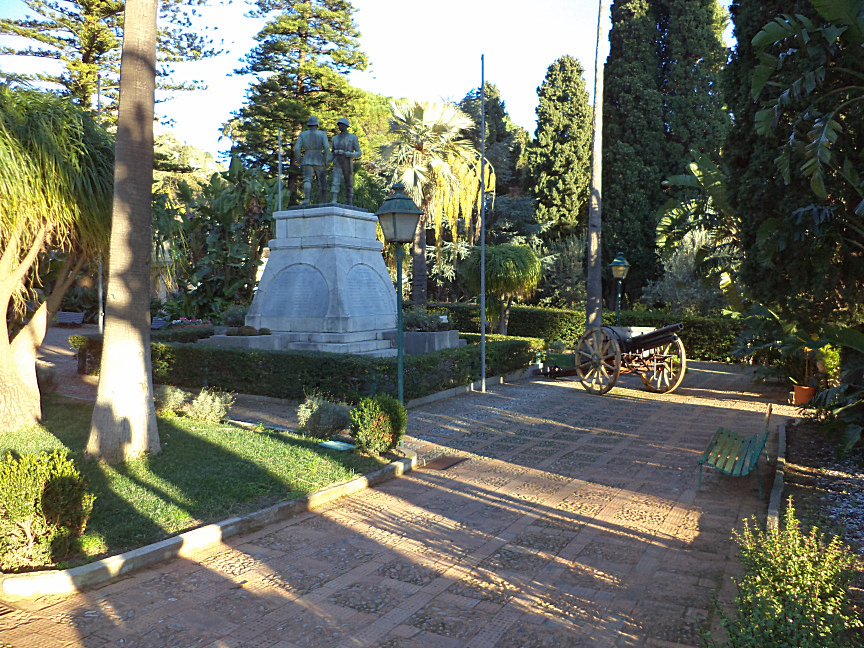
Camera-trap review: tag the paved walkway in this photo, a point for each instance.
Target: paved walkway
(574, 520)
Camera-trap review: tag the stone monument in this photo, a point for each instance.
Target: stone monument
(325, 286)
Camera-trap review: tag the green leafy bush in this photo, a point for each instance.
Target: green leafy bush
(420, 318)
(287, 374)
(398, 417)
(235, 315)
(44, 508)
(371, 427)
(704, 338)
(210, 406)
(793, 589)
(170, 399)
(89, 347)
(322, 418)
(243, 331)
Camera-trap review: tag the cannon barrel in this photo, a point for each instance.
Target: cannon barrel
(654, 338)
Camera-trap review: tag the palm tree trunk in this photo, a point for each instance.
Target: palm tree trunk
(19, 394)
(419, 275)
(594, 286)
(124, 419)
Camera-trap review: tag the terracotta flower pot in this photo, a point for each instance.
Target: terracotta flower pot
(802, 394)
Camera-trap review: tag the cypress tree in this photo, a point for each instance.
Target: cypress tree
(559, 158)
(661, 98)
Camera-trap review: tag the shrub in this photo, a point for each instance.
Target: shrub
(170, 399)
(371, 427)
(44, 508)
(287, 374)
(419, 318)
(210, 406)
(397, 415)
(321, 418)
(235, 315)
(243, 331)
(793, 589)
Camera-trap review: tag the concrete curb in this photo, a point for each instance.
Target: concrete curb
(777, 489)
(68, 581)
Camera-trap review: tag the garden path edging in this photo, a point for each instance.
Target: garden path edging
(68, 581)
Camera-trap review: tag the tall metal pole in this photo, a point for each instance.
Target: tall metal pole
(594, 287)
(482, 224)
(280, 170)
(100, 315)
(400, 382)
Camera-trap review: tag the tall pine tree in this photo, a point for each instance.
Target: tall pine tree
(560, 156)
(506, 143)
(301, 62)
(86, 35)
(661, 99)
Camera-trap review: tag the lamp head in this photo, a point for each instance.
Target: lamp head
(620, 267)
(398, 216)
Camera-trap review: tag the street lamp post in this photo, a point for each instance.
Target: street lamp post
(619, 271)
(398, 217)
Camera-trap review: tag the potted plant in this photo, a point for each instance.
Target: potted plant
(800, 358)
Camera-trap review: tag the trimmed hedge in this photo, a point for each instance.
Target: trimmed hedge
(287, 374)
(704, 338)
(89, 347)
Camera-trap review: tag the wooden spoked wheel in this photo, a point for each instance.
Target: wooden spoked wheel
(598, 361)
(665, 366)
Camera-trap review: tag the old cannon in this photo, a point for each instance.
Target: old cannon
(657, 355)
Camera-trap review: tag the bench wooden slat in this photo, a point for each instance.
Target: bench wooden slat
(735, 454)
(743, 464)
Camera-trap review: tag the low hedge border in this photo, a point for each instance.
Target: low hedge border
(704, 338)
(290, 374)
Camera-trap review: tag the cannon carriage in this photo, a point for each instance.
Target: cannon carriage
(657, 355)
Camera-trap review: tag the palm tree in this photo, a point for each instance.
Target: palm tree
(440, 169)
(124, 419)
(56, 166)
(511, 271)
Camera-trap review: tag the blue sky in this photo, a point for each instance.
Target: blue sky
(427, 49)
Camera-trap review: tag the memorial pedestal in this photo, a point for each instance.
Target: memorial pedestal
(325, 286)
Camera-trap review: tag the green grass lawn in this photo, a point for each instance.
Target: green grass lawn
(204, 473)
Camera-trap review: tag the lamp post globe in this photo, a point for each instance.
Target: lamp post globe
(399, 217)
(619, 267)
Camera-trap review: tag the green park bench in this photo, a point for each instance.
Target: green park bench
(736, 454)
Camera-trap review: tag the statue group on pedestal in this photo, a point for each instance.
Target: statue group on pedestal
(313, 151)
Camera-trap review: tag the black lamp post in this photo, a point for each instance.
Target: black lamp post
(619, 271)
(398, 217)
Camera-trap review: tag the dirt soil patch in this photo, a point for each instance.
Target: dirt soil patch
(828, 493)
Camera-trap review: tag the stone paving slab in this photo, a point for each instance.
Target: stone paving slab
(575, 520)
